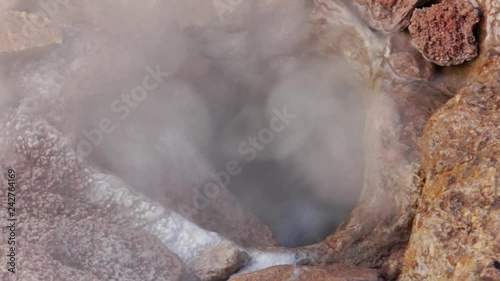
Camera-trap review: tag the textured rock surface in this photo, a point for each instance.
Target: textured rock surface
(456, 232)
(387, 15)
(219, 262)
(303, 273)
(21, 31)
(64, 236)
(490, 11)
(405, 60)
(444, 32)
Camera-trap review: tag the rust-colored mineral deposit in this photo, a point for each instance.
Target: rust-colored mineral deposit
(444, 32)
(388, 15)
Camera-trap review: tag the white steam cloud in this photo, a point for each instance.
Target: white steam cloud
(229, 67)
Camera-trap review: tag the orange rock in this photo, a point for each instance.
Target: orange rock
(456, 230)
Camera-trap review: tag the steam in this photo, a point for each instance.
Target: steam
(229, 68)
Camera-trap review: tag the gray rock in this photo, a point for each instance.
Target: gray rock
(219, 262)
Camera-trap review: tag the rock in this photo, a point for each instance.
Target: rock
(90, 250)
(444, 32)
(406, 61)
(490, 13)
(387, 15)
(391, 268)
(458, 218)
(334, 272)
(219, 262)
(64, 236)
(22, 31)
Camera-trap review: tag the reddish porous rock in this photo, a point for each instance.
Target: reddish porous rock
(444, 32)
(388, 15)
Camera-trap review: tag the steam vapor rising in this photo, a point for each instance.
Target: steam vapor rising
(227, 71)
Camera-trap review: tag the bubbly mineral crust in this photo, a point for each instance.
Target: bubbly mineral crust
(456, 233)
(444, 32)
(335, 272)
(387, 15)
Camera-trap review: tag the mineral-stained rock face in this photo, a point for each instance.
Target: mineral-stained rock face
(444, 32)
(327, 273)
(456, 233)
(388, 15)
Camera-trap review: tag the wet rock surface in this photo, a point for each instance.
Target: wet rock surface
(444, 32)
(299, 273)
